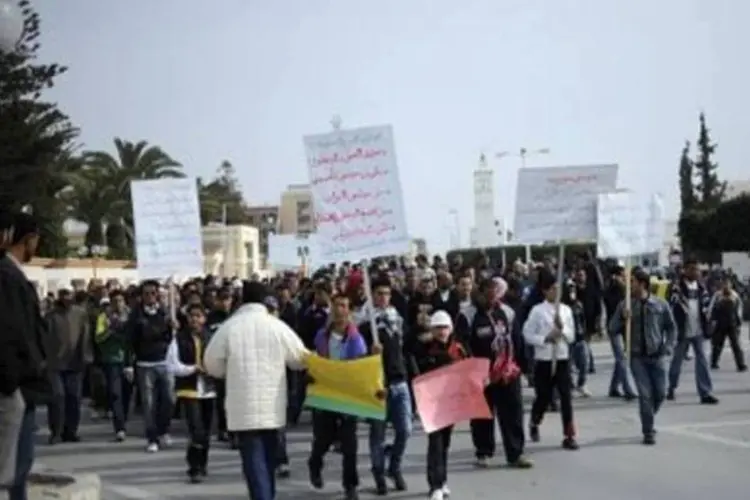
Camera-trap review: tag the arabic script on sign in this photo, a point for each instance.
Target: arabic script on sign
(359, 211)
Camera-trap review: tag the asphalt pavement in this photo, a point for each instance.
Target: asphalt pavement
(701, 451)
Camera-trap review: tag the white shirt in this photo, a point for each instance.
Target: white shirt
(252, 350)
(540, 323)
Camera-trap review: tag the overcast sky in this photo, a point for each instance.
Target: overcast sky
(593, 80)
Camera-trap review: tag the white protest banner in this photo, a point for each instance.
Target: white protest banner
(284, 251)
(168, 239)
(629, 224)
(359, 208)
(559, 203)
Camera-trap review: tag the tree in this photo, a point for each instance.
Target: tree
(710, 190)
(223, 193)
(687, 189)
(36, 138)
(107, 179)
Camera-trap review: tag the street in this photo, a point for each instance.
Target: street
(701, 451)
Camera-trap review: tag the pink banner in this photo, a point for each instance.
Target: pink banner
(452, 394)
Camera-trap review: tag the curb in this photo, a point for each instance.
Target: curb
(60, 486)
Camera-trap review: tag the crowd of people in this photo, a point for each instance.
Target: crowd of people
(235, 352)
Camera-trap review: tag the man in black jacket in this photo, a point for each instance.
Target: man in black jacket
(150, 330)
(23, 380)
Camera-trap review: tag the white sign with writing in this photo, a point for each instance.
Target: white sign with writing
(168, 239)
(559, 203)
(286, 251)
(359, 207)
(629, 224)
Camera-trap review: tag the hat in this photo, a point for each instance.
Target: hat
(440, 318)
(105, 301)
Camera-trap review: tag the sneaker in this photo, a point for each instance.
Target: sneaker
(283, 472)
(351, 494)
(521, 463)
(437, 495)
(583, 392)
(152, 448)
(709, 400)
(482, 462)
(649, 439)
(120, 436)
(446, 491)
(165, 440)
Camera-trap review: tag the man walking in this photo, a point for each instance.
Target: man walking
(22, 365)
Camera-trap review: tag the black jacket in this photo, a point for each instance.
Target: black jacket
(450, 305)
(391, 333)
(149, 335)
(22, 333)
(433, 355)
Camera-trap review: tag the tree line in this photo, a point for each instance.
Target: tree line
(709, 223)
(43, 168)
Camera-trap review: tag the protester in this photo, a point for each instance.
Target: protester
(251, 351)
(25, 383)
(195, 390)
(115, 359)
(70, 350)
(725, 319)
(150, 331)
(388, 340)
(340, 340)
(550, 328)
(613, 296)
(480, 333)
(690, 300)
(652, 336)
(438, 348)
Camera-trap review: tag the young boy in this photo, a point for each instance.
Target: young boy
(339, 340)
(194, 389)
(441, 350)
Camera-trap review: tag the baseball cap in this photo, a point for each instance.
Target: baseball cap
(439, 319)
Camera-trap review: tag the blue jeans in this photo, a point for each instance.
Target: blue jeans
(155, 386)
(258, 454)
(579, 354)
(702, 374)
(620, 371)
(25, 454)
(650, 375)
(119, 390)
(399, 414)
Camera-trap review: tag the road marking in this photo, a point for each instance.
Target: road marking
(706, 425)
(710, 438)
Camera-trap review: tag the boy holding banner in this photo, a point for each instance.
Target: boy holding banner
(339, 340)
(440, 349)
(550, 328)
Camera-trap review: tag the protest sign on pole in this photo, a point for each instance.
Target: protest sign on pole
(629, 224)
(168, 240)
(559, 203)
(357, 197)
(284, 251)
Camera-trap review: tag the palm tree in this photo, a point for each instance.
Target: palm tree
(110, 176)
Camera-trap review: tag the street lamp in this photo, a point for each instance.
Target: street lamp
(95, 253)
(11, 25)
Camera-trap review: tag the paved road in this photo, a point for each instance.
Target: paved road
(701, 451)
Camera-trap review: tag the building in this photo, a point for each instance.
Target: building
(296, 214)
(227, 251)
(266, 219)
(737, 188)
